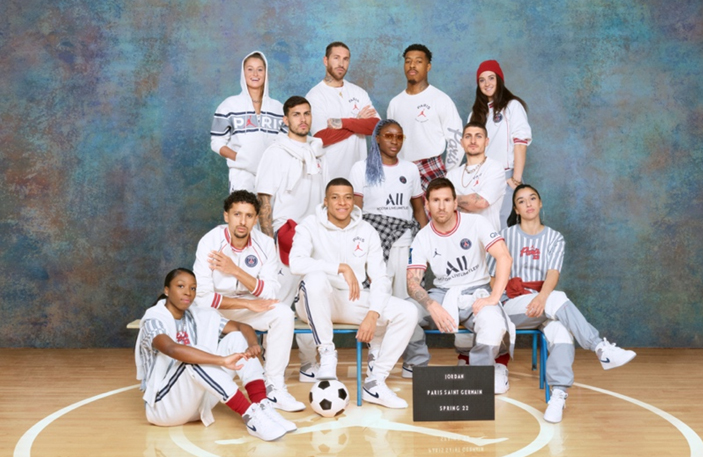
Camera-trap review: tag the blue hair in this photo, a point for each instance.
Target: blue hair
(374, 164)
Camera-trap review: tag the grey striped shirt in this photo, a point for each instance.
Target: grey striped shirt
(532, 255)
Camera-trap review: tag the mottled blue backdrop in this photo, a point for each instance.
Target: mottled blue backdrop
(108, 181)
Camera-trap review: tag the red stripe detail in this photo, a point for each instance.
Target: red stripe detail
(494, 242)
(259, 287)
(228, 237)
(417, 267)
(356, 194)
(519, 141)
(216, 300)
(451, 232)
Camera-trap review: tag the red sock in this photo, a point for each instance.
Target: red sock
(256, 390)
(238, 403)
(503, 359)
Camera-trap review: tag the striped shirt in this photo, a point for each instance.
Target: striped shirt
(533, 255)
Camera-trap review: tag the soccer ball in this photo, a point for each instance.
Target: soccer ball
(329, 398)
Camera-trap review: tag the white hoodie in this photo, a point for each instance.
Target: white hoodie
(319, 245)
(237, 125)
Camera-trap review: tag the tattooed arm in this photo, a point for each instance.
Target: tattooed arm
(445, 323)
(266, 215)
(472, 203)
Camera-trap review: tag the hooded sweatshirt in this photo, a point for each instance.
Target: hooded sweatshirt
(319, 245)
(237, 125)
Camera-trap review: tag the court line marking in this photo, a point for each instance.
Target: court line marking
(24, 445)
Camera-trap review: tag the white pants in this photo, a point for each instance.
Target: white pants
(241, 180)
(279, 323)
(396, 268)
(189, 391)
(321, 305)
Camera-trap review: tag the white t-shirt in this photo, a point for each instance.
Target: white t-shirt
(506, 130)
(430, 123)
(339, 103)
(488, 182)
(458, 257)
(273, 178)
(392, 197)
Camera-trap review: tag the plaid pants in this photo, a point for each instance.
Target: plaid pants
(430, 169)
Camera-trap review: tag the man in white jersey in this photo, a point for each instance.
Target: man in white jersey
(480, 188)
(454, 245)
(236, 267)
(335, 250)
(429, 118)
(290, 183)
(342, 113)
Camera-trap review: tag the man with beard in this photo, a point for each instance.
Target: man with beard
(342, 113)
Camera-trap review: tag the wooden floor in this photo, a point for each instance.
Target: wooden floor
(651, 407)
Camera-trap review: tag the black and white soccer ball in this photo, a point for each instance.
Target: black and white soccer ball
(329, 398)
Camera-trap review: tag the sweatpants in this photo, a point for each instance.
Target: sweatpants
(187, 389)
(321, 305)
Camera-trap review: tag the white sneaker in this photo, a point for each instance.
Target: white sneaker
(379, 393)
(328, 365)
(281, 399)
(555, 407)
(260, 425)
(270, 409)
(501, 382)
(407, 372)
(308, 372)
(611, 356)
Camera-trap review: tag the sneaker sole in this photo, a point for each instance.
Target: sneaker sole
(371, 399)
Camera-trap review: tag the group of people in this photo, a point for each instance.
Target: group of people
(319, 225)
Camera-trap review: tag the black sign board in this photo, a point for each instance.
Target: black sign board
(453, 393)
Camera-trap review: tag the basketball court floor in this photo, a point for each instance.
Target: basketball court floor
(85, 402)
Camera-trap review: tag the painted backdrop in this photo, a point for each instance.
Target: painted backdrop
(107, 180)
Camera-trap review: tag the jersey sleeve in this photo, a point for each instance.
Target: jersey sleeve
(520, 131)
(151, 328)
(556, 252)
(267, 285)
(451, 126)
(360, 126)
(206, 296)
(416, 182)
(493, 186)
(418, 257)
(357, 177)
(487, 235)
(300, 258)
(268, 175)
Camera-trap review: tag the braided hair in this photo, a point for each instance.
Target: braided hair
(374, 164)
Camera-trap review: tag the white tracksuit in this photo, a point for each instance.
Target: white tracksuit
(237, 126)
(175, 392)
(259, 259)
(319, 247)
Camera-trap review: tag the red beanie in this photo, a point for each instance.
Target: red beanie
(489, 65)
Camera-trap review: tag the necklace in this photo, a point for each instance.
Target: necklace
(466, 171)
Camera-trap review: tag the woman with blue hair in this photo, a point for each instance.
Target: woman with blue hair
(389, 192)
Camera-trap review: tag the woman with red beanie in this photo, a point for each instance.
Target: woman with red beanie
(509, 134)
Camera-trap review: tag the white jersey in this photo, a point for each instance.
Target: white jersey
(487, 180)
(237, 125)
(533, 255)
(457, 257)
(431, 124)
(392, 197)
(258, 258)
(319, 245)
(295, 186)
(506, 130)
(339, 103)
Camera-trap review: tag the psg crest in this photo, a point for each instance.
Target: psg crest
(403, 180)
(465, 243)
(251, 261)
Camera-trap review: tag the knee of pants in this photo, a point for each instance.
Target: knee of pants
(489, 326)
(555, 301)
(398, 310)
(317, 283)
(231, 343)
(421, 313)
(283, 314)
(556, 333)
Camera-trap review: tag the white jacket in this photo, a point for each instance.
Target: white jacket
(237, 125)
(319, 245)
